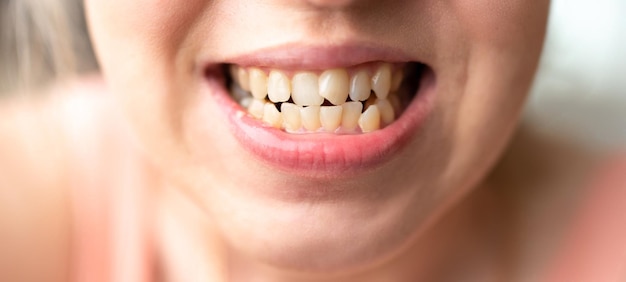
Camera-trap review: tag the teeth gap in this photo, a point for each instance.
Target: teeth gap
(327, 103)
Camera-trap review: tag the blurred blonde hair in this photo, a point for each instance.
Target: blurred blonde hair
(42, 41)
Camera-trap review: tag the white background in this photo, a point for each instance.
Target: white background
(580, 89)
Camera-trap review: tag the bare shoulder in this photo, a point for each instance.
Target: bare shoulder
(38, 165)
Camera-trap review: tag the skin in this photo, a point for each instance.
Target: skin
(444, 214)
(484, 55)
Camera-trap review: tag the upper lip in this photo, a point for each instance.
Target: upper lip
(302, 56)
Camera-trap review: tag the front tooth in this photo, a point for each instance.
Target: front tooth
(334, 86)
(272, 116)
(351, 113)
(305, 89)
(360, 86)
(330, 117)
(291, 116)
(256, 108)
(370, 119)
(258, 83)
(278, 87)
(311, 118)
(381, 81)
(387, 113)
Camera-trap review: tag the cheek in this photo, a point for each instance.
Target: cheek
(139, 45)
(506, 40)
(502, 23)
(155, 24)
(141, 40)
(484, 88)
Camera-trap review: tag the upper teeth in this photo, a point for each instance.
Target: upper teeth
(308, 90)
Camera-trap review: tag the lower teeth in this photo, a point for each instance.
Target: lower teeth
(348, 118)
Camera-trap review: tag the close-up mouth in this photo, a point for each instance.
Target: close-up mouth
(345, 118)
(353, 100)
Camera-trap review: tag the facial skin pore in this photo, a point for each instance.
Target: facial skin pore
(483, 54)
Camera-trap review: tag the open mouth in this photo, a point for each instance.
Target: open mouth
(353, 100)
(351, 109)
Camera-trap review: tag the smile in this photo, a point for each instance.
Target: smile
(355, 114)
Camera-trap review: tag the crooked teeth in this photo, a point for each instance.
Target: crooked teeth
(311, 118)
(370, 119)
(272, 116)
(291, 116)
(351, 113)
(256, 108)
(330, 117)
(334, 85)
(360, 86)
(381, 81)
(278, 87)
(305, 89)
(387, 113)
(297, 104)
(346, 118)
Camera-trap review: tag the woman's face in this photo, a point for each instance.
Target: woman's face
(338, 198)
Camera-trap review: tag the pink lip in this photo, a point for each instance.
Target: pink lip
(323, 154)
(318, 57)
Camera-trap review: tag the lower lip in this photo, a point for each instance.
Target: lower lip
(329, 155)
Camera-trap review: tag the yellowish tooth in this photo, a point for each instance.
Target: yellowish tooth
(334, 85)
(360, 86)
(350, 115)
(381, 81)
(387, 113)
(330, 117)
(272, 116)
(256, 108)
(397, 80)
(243, 79)
(311, 118)
(291, 116)
(258, 83)
(305, 89)
(278, 87)
(370, 119)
